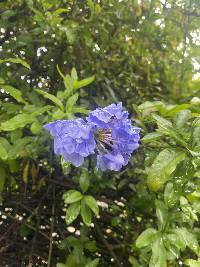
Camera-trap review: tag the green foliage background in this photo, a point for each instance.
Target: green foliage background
(60, 59)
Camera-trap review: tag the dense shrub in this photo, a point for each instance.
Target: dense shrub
(60, 59)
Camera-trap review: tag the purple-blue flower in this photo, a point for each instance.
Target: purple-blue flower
(116, 138)
(108, 131)
(73, 140)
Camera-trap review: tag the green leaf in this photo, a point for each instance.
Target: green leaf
(133, 261)
(36, 127)
(60, 72)
(85, 213)
(163, 166)
(51, 97)
(71, 101)
(19, 121)
(187, 238)
(82, 83)
(15, 93)
(158, 258)
(25, 230)
(59, 264)
(92, 204)
(84, 181)
(192, 263)
(182, 118)
(176, 240)
(68, 82)
(151, 137)
(40, 111)
(161, 121)
(72, 196)
(3, 152)
(161, 213)
(166, 128)
(170, 196)
(74, 74)
(15, 135)
(148, 107)
(17, 61)
(2, 177)
(93, 263)
(187, 209)
(72, 212)
(80, 110)
(146, 237)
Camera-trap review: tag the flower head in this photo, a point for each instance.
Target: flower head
(106, 130)
(73, 139)
(116, 138)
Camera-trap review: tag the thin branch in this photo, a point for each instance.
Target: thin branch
(52, 228)
(108, 246)
(25, 223)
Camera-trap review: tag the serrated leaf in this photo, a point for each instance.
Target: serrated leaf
(17, 61)
(163, 166)
(146, 237)
(51, 97)
(92, 204)
(86, 213)
(72, 212)
(15, 93)
(72, 196)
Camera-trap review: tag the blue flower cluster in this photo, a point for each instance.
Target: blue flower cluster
(106, 131)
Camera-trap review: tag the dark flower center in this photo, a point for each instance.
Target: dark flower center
(104, 139)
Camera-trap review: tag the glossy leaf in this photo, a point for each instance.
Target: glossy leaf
(86, 213)
(72, 196)
(72, 212)
(146, 237)
(163, 166)
(92, 204)
(158, 258)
